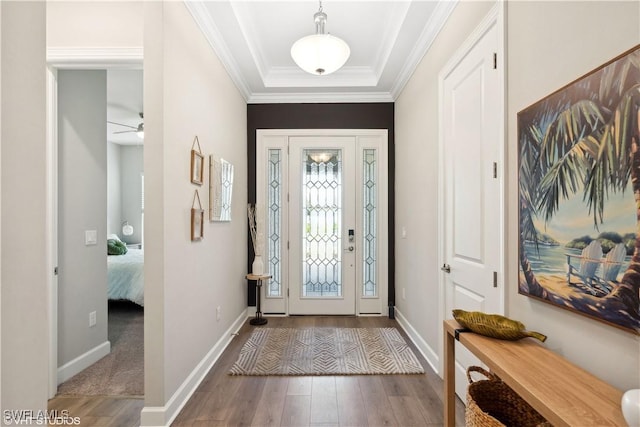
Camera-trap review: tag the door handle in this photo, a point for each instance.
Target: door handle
(446, 268)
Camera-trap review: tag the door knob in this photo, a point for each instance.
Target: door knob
(350, 248)
(446, 268)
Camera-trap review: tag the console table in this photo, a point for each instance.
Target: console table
(563, 393)
(259, 278)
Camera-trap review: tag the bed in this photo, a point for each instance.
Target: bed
(126, 276)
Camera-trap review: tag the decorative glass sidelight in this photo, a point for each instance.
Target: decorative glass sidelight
(322, 223)
(369, 212)
(274, 222)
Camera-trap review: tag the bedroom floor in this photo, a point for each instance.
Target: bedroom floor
(121, 373)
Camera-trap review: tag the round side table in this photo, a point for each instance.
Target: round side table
(259, 278)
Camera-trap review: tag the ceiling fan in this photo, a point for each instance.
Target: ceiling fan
(139, 130)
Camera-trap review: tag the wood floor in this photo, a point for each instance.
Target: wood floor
(99, 410)
(224, 400)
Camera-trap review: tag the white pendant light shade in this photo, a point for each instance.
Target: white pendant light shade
(320, 53)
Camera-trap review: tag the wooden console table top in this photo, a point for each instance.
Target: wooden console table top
(563, 393)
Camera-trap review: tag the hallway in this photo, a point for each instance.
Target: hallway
(369, 400)
(224, 400)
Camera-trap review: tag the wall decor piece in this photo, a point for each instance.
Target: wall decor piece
(579, 169)
(197, 163)
(220, 189)
(197, 219)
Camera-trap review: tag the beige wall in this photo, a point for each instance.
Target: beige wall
(416, 133)
(82, 206)
(541, 60)
(549, 44)
(188, 93)
(91, 24)
(24, 207)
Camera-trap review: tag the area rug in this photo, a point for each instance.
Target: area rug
(121, 372)
(326, 351)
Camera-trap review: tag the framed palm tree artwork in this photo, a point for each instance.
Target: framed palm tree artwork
(579, 195)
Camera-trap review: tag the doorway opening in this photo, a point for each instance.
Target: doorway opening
(97, 318)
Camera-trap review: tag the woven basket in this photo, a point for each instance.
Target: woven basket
(492, 403)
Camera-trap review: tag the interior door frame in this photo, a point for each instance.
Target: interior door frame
(68, 59)
(495, 17)
(363, 138)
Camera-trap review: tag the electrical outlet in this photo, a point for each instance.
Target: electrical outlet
(218, 313)
(92, 319)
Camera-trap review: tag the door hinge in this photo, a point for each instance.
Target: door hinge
(287, 292)
(495, 61)
(495, 279)
(495, 169)
(287, 245)
(55, 271)
(287, 197)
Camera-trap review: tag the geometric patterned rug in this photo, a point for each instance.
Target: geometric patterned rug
(326, 351)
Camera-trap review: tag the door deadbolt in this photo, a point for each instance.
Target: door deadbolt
(446, 268)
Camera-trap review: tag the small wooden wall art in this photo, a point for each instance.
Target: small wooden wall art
(197, 162)
(197, 219)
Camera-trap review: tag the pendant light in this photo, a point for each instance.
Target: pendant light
(320, 53)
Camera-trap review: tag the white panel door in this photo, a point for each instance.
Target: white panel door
(471, 189)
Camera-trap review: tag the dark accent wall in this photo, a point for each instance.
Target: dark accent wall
(323, 116)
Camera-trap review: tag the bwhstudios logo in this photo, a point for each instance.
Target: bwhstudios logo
(27, 417)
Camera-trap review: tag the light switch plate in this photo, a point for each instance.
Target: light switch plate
(91, 237)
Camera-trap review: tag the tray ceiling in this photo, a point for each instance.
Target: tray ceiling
(387, 40)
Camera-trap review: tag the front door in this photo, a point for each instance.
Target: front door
(471, 187)
(322, 225)
(324, 198)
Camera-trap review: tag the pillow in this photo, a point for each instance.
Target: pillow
(116, 247)
(114, 237)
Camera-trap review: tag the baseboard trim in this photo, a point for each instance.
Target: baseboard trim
(162, 416)
(425, 349)
(83, 361)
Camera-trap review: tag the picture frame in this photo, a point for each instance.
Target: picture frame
(197, 218)
(220, 189)
(576, 185)
(197, 224)
(197, 167)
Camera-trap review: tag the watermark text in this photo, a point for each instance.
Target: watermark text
(29, 417)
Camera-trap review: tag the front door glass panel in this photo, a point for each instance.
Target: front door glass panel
(322, 188)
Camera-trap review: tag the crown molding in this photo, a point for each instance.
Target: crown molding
(251, 39)
(427, 37)
(93, 58)
(204, 21)
(345, 77)
(318, 98)
(390, 36)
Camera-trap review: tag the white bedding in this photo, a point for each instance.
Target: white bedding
(126, 276)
